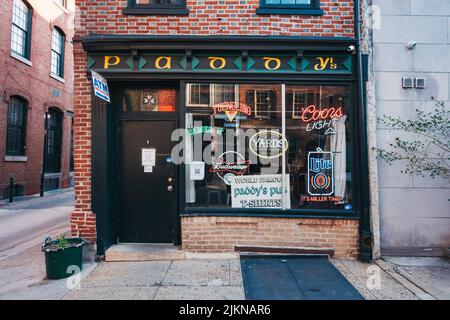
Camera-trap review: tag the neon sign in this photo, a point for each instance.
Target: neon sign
(312, 113)
(225, 170)
(320, 173)
(231, 109)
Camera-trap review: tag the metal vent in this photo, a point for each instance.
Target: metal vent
(421, 83)
(408, 83)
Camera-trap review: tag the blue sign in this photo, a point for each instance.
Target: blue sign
(320, 173)
(100, 86)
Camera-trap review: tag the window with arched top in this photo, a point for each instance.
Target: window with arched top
(21, 29)
(57, 61)
(16, 127)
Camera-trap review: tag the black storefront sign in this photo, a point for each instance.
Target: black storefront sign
(217, 62)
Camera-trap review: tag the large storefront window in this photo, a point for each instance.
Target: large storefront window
(239, 143)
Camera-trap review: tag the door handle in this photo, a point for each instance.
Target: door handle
(170, 188)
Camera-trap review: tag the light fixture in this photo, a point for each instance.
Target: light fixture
(411, 45)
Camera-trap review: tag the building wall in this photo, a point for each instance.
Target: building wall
(233, 17)
(35, 84)
(414, 211)
(221, 234)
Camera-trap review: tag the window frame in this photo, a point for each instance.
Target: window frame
(23, 128)
(63, 4)
(61, 54)
(156, 9)
(338, 213)
(313, 8)
(261, 114)
(27, 54)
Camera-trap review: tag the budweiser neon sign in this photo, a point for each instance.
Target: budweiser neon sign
(312, 113)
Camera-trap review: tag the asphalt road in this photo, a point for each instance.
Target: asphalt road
(25, 223)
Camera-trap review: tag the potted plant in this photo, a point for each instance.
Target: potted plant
(62, 256)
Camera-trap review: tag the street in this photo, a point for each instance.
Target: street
(23, 226)
(25, 223)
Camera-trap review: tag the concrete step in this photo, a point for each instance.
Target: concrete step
(143, 252)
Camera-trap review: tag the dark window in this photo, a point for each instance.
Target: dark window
(309, 7)
(53, 141)
(198, 94)
(168, 7)
(17, 124)
(58, 41)
(21, 29)
(264, 102)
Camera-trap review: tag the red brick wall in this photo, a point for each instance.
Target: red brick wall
(230, 17)
(209, 17)
(34, 84)
(221, 234)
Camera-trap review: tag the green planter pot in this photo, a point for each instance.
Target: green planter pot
(62, 263)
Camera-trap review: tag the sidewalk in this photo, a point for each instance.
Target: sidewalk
(221, 279)
(401, 279)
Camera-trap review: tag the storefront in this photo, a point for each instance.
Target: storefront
(222, 143)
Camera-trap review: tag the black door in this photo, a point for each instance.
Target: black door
(147, 193)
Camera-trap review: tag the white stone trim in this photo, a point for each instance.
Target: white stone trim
(16, 158)
(57, 78)
(21, 59)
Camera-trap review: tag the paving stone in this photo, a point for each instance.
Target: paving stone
(200, 293)
(429, 279)
(198, 273)
(127, 274)
(112, 293)
(390, 289)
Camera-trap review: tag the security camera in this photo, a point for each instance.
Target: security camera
(411, 45)
(351, 49)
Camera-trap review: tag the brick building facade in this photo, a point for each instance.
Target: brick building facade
(276, 47)
(29, 84)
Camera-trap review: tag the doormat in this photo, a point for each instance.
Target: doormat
(281, 277)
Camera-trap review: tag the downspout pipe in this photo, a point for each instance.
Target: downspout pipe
(365, 230)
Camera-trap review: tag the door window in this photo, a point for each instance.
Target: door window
(149, 100)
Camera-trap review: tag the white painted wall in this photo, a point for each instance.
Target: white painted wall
(414, 213)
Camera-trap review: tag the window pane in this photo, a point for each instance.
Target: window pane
(159, 2)
(198, 94)
(289, 2)
(234, 147)
(149, 100)
(218, 139)
(57, 52)
(318, 126)
(16, 128)
(19, 28)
